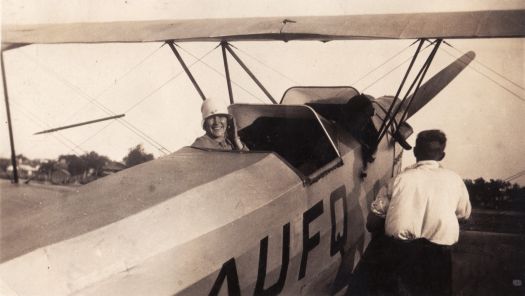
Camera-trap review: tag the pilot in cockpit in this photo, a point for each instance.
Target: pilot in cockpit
(220, 128)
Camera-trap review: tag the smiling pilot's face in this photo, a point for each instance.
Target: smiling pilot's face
(216, 125)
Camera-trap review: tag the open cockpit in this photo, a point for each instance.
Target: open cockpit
(297, 134)
(303, 128)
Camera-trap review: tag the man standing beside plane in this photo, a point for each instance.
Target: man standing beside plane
(220, 128)
(422, 219)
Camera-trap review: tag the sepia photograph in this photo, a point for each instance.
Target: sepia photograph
(340, 147)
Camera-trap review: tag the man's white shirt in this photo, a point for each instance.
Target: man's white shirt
(425, 201)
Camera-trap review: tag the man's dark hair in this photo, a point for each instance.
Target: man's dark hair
(430, 145)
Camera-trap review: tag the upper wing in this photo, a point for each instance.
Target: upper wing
(475, 24)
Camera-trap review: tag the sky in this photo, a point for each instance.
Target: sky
(52, 85)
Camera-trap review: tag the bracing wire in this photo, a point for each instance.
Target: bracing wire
(87, 97)
(297, 83)
(489, 78)
(98, 132)
(515, 176)
(129, 71)
(382, 64)
(178, 74)
(222, 75)
(106, 110)
(59, 137)
(393, 69)
(115, 83)
(100, 106)
(110, 86)
(488, 68)
(146, 97)
(267, 66)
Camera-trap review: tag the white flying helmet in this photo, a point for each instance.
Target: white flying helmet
(212, 106)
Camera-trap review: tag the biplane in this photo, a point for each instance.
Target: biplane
(288, 217)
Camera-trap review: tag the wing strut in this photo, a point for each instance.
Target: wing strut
(9, 124)
(227, 70)
(390, 119)
(236, 57)
(186, 69)
(384, 125)
(426, 66)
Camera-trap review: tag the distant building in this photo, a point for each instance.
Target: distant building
(112, 167)
(24, 170)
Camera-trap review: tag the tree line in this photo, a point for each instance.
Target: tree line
(496, 194)
(88, 166)
(492, 194)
